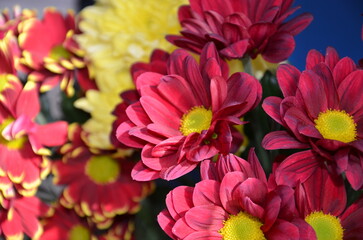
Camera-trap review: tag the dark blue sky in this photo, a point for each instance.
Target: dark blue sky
(337, 23)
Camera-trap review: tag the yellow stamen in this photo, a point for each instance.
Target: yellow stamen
(242, 226)
(196, 120)
(326, 226)
(79, 232)
(336, 125)
(102, 169)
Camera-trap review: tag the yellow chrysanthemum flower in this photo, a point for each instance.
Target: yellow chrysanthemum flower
(259, 66)
(116, 34)
(100, 105)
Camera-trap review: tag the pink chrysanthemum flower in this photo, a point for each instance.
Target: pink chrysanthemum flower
(98, 184)
(241, 28)
(186, 116)
(324, 208)
(233, 201)
(23, 158)
(50, 55)
(321, 111)
(19, 215)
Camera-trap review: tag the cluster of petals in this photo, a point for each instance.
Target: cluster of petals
(50, 55)
(155, 121)
(62, 223)
(241, 28)
(10, 20)
(329, 84)
(23, 142)
(329, 202)
(230, 187)
(19, 217)
(97, 183)
(158, 64)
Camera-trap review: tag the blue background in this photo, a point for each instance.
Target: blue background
(337, 23)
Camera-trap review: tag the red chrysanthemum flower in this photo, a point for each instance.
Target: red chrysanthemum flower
(63, 224)
(321, 110)
(98, 184)
(50, 55)
(19, 215)
(324, 208)
(240, 28)
(239, 206)
(186, 116)
(23, 158)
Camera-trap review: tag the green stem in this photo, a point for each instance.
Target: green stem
(247, 65)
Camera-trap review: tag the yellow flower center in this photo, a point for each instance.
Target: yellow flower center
(326, 226)
(196, 119)
(242, 227)
(336, 125)
(102, 169)
(79, 232)
(17, 143)
(59, 52)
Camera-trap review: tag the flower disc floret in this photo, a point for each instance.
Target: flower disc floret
(326, 226)
(102, 169)
(336, 125)
(196, 120)
(242, 226)
(79, 232)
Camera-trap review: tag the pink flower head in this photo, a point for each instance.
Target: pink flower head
(321, 111)
(327, 205)
(186, 116)
(238, 206)
(241, 28)
(50, 55)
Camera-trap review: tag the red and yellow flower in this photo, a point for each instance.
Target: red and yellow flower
(186, 116)
(241, 28)
(62, 223)
(234, 201)
(50, 55)
(19, 215)
(23, 158)
(322, 112)
(98, 184)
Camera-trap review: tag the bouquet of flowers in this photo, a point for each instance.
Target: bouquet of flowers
(176, 119)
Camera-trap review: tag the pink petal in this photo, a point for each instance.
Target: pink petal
(58, 132)
(28, 101)
(271, 105)
(279, 48)
(297, 167)
(166, 222)
(288, 79)
(141, 173)
(282, 140)
(207, 192)
(206, 217)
